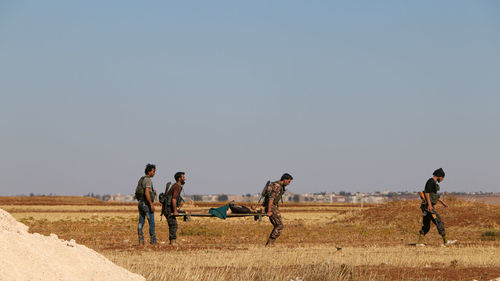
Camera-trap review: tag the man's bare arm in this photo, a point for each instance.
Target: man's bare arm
(174, 206)
(175, 195)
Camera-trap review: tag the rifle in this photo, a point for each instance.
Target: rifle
(421, 195)
(424, 200)
(264, 191)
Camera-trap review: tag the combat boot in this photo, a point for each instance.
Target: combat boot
(420, 242)
(141, 240)
(270, 242)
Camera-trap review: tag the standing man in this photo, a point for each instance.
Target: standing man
(174, 194)
(146, 194)
(429, 213)
(272, 195)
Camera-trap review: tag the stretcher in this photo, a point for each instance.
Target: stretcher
(256, 216)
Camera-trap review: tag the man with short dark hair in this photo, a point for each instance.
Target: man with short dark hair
(145, 206)
(272, 195)
(429, 213)
(175, 194)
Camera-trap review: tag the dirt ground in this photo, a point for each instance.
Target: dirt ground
(375, 240)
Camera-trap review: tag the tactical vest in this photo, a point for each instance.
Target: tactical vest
(434, 196)
(140, 191)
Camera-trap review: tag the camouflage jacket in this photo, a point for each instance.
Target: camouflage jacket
(275, 191)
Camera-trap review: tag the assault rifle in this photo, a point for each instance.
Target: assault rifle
(424, 200)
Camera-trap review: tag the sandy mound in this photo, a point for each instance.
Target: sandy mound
(28, 256)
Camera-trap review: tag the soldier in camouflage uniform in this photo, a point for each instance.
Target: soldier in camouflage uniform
(272, 195)
(429, 213)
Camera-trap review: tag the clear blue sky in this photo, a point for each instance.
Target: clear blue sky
(353, 95)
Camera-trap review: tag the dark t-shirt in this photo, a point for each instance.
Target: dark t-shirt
(175, 192)
(432, 188)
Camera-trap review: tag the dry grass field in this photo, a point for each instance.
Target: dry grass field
(375, 241)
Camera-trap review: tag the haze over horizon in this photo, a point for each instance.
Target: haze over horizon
(354, 96)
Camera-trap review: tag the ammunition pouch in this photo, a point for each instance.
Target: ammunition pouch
(152, 193)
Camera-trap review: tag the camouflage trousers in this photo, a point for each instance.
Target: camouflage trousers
(428, 217)
(172, 227)
(275, 219)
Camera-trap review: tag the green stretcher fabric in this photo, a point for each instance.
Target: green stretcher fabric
(220, 212)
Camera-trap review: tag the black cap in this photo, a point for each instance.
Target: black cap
(439, 173)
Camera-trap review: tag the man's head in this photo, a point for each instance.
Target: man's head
(286, 178)
(150, 170)
(439, 175)
(180, 178)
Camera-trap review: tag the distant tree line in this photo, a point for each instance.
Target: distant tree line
(222, 198)
(33, 194)
(197, 197)
(104, 197)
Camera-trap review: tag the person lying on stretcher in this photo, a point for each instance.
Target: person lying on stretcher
(225, 210)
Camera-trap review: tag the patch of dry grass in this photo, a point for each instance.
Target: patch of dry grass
(311, 262)
(374, 240)
(255, 263)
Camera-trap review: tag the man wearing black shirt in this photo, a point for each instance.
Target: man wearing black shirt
(429, 213)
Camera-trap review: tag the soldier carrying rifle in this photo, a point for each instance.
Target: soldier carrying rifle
(429, 199)
(272, 194)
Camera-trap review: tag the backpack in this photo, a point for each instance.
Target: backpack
(139, 190)
(163, 198)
